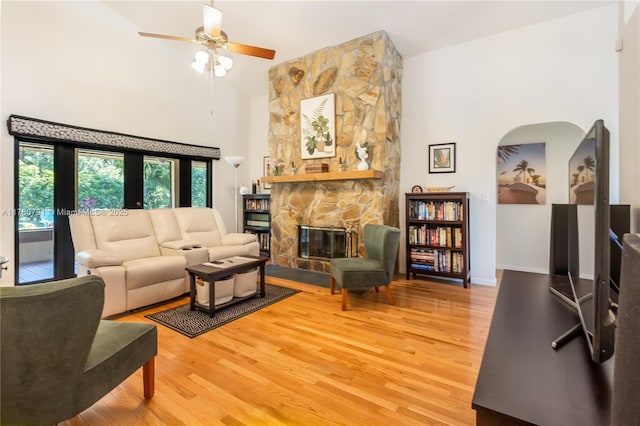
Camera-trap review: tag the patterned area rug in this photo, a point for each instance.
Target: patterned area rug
(194, 323)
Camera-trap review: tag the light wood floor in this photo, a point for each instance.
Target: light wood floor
(303, 361)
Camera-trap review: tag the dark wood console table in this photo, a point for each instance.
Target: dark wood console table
(522, 380)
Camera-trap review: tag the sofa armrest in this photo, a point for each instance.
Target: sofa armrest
(94, 258)
(238, 239)
(181, 244)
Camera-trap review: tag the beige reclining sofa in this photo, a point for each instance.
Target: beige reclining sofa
(142, 254)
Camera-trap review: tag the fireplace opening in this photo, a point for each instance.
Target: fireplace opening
(324, 243)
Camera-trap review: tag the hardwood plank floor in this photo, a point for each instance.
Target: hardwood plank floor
(303, 361)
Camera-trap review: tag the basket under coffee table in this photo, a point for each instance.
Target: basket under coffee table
(211, 272)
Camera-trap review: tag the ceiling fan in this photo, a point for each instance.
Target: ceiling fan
(211, 36)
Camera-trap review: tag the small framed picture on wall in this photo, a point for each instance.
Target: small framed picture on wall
(442, 158)
(266, 171)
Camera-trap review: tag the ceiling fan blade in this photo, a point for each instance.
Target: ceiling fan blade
(168, 37)
(245, 49)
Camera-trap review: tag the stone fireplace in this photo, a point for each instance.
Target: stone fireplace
(365, 76)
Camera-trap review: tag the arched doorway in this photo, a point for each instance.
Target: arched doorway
(522, 231)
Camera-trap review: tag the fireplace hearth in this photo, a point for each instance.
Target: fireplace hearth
(326, 242)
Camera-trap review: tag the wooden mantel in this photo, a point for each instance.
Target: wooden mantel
(315, 177)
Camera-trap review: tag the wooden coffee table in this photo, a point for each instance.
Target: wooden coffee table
(210, 272)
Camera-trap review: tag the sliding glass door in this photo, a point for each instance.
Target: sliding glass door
(35, 213)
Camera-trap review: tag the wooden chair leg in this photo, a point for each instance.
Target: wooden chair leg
(387, 289)
(148, 378)
(333, 285)
(344, 299)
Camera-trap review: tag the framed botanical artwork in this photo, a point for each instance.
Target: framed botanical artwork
(266, 171)
(318, 127)
(442, 158)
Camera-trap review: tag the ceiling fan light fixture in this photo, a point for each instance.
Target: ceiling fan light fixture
(219, 71)
(202, 57)
(198, 66)
(212, 20)
(225, 62)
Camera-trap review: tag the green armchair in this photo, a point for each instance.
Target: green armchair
(361, 273)
(58, 357)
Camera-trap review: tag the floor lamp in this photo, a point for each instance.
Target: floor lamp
(235, 161)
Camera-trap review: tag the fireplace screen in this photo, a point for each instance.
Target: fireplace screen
(321, 243)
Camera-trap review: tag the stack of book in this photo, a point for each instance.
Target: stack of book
(316, 168)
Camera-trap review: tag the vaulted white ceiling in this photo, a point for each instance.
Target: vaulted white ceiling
(295, 28)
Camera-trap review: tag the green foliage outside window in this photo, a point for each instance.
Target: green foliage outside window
(157, 184)
(35, 187)
(100, 182)
(199, 186)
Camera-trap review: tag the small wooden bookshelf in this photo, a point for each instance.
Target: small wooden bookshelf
(437, 229)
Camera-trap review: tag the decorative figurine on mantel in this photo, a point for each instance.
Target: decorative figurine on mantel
(362, 154)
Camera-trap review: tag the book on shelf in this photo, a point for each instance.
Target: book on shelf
(257, 204)
(263, 224)
(443, 236)
(436, 210)
(438, 260)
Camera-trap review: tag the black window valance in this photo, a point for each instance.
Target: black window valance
(64, 133)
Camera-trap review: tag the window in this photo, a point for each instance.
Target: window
(198, 184)
(55, 173)
(159, 182)
(100, 180)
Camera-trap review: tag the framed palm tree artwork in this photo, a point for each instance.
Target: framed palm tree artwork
(442, 158)
(521, 174)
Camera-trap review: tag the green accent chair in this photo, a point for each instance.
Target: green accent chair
(357, 274)
(58, 357)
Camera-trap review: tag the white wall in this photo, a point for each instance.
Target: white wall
(474, 93)
(82, 64)
(259, 137)
(629, 93)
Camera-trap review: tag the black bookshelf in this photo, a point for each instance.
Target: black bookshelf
(256, 219)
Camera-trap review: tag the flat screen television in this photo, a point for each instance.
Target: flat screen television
(589, 175)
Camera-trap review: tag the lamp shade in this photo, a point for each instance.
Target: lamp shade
(225, 61)
(198, 66)
(212, 20)
(234, 160)
(202, 56)
(219, 71)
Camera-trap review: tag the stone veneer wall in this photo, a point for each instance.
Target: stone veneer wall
(365, 75)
